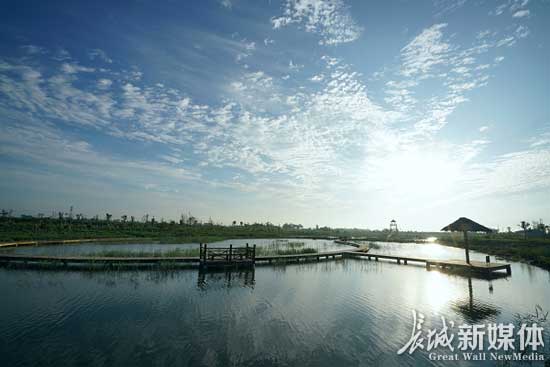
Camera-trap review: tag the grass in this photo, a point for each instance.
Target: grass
(295, 251)
(283, 248)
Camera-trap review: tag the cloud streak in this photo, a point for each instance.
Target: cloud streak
(330, 19)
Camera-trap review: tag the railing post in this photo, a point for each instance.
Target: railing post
(204, 252)
(230, 251)
(246, 251)
(254, 253)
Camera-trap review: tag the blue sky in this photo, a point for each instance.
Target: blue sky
(329, 112)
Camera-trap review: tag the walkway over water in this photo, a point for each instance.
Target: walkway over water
(461, 265)
(216, 257)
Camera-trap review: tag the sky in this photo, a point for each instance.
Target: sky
(320, 112)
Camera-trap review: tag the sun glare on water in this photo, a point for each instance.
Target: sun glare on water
(438, 290)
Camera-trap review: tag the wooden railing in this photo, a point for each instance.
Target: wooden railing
(226, 253)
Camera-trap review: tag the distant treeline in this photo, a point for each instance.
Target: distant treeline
(189, 229)
(532, 245)
(45, 228)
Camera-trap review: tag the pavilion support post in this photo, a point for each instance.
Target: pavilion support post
(466, 247)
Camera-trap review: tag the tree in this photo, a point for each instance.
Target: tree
(524, 225)
(108, 217)
(124, 218)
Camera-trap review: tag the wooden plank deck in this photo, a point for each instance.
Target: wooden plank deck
(304, 257)
(70, 242)
(217, 262)
(92, 259)
(473, 266)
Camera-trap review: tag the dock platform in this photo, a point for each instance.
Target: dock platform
(460, 265)
(245, 257)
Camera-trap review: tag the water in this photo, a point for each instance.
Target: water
(94, 248)
(338, 313)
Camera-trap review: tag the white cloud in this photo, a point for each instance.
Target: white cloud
(444, 7)
(104, 83)
(521, 13)
(317, 78)
(73, 68)
(293, 66)
(33, 49)
(226, 4)
(425, 51)
(331, 19)
(101, 55)
(516, 7)
(483, 129)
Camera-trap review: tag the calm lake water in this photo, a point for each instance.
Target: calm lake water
(91, 248)
(339, 313)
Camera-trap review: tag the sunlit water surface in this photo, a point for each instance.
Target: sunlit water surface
(338, 313)
(97, 248)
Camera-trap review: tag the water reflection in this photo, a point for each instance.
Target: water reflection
(442, 291)
(226, 278)
(475, 311)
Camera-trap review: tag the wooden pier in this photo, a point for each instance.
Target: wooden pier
(92, 260)
(220, 257)
(458, 265)
(302, 257)
(243, 257)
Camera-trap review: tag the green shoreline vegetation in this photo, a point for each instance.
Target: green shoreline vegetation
(289, 248)
(508, 245)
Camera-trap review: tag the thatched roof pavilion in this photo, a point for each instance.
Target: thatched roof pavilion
(466, 225)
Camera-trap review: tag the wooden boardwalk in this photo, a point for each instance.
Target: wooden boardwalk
(246, 257)
(214, 259)
(302, 257)
(71, 242)
(17, 258)
(460, 265)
